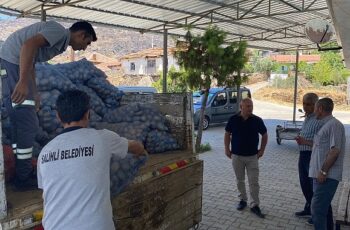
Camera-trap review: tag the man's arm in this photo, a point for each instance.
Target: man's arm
(302, 141)
(263, 144)
(136, 147)
(227, 141)
(331, 158)
(26, 66)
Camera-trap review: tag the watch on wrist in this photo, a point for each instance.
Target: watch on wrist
(323, 173)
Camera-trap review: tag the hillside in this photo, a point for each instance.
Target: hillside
(112, 42)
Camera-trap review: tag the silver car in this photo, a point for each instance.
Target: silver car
(221, 105)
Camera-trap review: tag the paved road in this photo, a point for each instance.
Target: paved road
(280, 192)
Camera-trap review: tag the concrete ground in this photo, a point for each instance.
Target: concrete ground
(280, 193)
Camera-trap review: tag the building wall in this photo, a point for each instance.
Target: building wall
(141, 65)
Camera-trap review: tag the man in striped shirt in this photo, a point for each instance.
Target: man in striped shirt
(305, 140)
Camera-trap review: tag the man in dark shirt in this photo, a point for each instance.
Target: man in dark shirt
(242, 131)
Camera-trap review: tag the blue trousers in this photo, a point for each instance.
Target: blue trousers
(23, 119)
(305, 180)
(321, 208)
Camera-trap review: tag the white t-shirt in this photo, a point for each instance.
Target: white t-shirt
(74, 173)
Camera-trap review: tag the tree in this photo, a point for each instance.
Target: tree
(329, 70)
(176, 81)
(263, 65)
(207, 57)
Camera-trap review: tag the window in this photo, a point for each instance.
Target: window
(233, 97)
(284, 68)
(151, 63)
(220, 99)
(246, 94)
(132, 66)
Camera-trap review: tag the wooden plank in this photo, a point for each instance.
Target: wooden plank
(170, 198)
(343, 212)
(156, 161)
(179, 213)
(165, 186)
(23, 203)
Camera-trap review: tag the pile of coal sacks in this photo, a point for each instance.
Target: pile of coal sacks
(134, 121)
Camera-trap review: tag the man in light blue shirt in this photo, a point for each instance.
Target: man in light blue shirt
(38, 42)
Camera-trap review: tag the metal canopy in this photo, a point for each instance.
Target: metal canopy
(265, 24)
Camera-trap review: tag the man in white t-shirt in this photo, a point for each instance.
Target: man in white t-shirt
(74, 169)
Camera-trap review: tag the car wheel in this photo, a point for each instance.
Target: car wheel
(278, 138)
(205, 122)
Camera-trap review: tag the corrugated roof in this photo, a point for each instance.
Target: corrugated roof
(266, 24)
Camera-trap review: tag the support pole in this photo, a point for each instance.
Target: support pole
(43, 13)
(296, 84)
(3, 200)
(165, 59)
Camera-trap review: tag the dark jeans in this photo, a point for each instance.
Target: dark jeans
(321, 208)
(305, 180)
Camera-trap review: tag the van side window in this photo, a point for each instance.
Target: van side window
(245, 94)
(220, 99)
(233, 97)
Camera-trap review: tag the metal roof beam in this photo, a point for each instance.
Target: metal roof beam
(191, 14)
(55, 5)
(161, 7)
(273, 39)
(109, 12)
(34, 8)
(260, 15)
(285, 13)
(269, 15)
(247, 37)
(65, 19)
(251, 9)
(310, 4)
(290, 4)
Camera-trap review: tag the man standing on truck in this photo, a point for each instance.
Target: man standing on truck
(38, 42)
(74, 168)
(242, 132)
(310, 127)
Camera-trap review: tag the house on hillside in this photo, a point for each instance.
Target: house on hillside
(286, 60)
(147, 62)
(103, 62)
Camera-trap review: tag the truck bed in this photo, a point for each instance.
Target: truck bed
(22, 205)
(170, 200)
